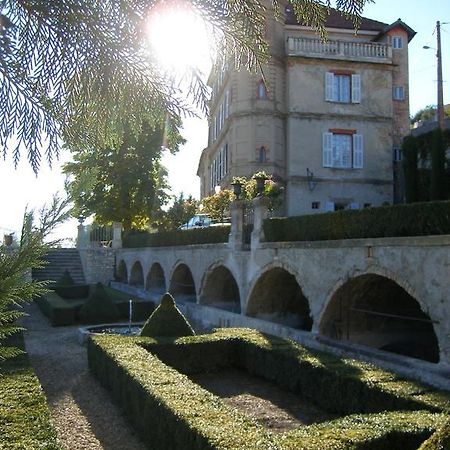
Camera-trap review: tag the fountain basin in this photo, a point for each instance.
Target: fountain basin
(125, 329)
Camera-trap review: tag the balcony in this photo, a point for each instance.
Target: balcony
(347, 50)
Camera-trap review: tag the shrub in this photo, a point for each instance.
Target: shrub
(167, 321)
(24, 415)
(183, 415)
(99, 307)
(65, 287)
(417, 219)
(195, 236)
(440, 440)
(66, 279)
(72, 292)
(58, 311)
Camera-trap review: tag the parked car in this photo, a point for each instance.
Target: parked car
(197, 221)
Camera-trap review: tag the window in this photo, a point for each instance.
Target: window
(315, 205)
(262, 90)
(218, 121)
(219, 167)
(261, 154)
(342, 150)
(397, 42)
(398, 93)
(397, 154)
(343, 88)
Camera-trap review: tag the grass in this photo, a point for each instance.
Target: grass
(24, 415)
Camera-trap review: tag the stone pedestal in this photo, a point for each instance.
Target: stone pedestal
(117, 235)
(261, 212)
(236, 237)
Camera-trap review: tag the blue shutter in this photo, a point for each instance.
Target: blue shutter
(329, 86)
(356, 88)
(327, 149)
(358, 151)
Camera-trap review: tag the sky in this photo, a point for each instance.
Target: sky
(19, 187)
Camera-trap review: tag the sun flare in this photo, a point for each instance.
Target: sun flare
(178, 37)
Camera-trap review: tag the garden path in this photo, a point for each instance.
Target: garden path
(81, 409)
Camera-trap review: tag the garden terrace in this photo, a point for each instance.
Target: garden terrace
(150, 380)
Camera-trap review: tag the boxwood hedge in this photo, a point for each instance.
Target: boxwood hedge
(62, 311)
(415, 219)
(148, 378)
(24, 415)
(208, 235)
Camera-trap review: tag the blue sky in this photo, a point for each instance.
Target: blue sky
(21, 187)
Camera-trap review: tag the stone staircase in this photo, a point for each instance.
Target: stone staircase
(59, 260)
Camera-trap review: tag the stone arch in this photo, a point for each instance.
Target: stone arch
(278, 297)
(137, 275)
(122, 272)
(378, 310)
(220, 289)
(156, 281)
(182, 285)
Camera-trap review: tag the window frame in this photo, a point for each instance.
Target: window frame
(355, 91)
(397, 42)
(331, 155)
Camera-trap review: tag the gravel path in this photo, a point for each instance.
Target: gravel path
(81, 409)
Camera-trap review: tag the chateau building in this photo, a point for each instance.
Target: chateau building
(327, 120)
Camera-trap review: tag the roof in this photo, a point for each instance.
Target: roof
(335, 19)
(400, 23)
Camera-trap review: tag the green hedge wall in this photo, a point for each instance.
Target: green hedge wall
(63, 312)
(195, 236)
(24, 415)
(149, 391)
(416, 219)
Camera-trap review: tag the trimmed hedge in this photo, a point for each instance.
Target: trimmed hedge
(184, 415)
(62, 312)
(65, 287)
(416, 219)
(439, 440)
(59, 311)
(99, 307)
(24, 416)
(167, 320)
(195, 236)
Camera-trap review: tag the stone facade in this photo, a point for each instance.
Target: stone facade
(324, 120)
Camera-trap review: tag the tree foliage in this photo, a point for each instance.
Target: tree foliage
(218, 204)
(16, 286)
(127, 184)
(179, 213)
(429, 113)
(73, 69)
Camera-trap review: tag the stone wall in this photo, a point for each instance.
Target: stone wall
(98, 264)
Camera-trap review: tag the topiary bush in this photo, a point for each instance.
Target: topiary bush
(65, 287)
(66, 279)
(167, 321)
(99, 307)
(440, 440)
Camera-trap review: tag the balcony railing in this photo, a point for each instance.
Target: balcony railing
(297, 46)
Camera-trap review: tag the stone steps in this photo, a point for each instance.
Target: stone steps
(60, 260)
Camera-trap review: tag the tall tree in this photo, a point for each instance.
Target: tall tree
(127, 184)
(16, 262)
(73, 69)
(438, 185)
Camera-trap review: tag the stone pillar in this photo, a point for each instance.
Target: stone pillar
(260, 213)
(82, 241)
(117, 235)
(236, 236)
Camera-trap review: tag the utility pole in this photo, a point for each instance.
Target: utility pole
(440, 94)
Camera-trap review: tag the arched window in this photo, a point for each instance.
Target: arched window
(262, 90)
(261, 155)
